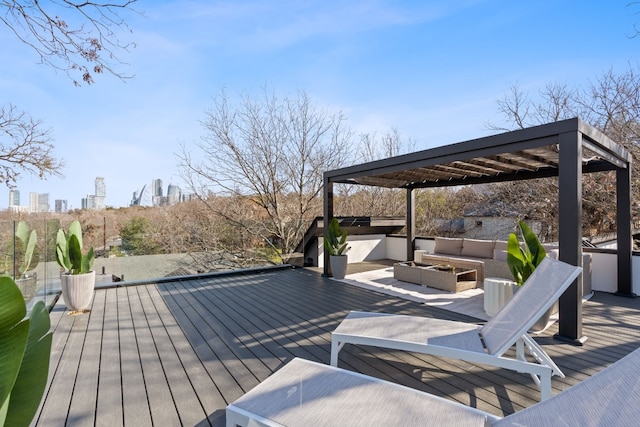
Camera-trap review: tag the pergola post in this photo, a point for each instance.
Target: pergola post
(570, 233)
(411, 222)
(327, 215)
(623, 219)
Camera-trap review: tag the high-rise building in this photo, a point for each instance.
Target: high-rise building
(14, 198)
(156, 192)
(38, 202)
(100, 193)
(156, 187)
(43, 202)
(173, 194)
(89, 202)
(61, 206)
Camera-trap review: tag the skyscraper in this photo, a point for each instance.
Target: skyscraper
(14, 198)
(100, 193)
(89, 202)
(156, 192)
(173, 194)
(61, 206)
(38, 202)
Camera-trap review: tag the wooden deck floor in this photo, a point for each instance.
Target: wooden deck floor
(177, 353)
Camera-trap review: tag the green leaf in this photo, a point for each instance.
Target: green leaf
(32, 378)
(75, 254)
(536, 250)
(87, 261)
(75, 229)
(62, 250)
(14, 332)
(22, 232)
(29, 249)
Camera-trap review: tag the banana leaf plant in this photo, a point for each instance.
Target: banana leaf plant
(28, 240)
(20, 253)
(69, 250)
(523, 259)
(24, 355)
(335, 240)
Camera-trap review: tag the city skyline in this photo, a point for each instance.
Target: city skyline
(98, 200)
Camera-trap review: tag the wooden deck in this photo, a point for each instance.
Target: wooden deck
(177, 353)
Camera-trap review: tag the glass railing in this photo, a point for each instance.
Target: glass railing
(40, 279)
(29, 259)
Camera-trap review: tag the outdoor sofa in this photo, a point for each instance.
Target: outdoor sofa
(488, 257)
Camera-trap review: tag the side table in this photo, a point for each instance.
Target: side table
(497, 292)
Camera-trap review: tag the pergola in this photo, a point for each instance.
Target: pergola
(566, 149)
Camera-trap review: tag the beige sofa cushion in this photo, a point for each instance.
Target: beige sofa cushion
(448, 246)
(477, 248)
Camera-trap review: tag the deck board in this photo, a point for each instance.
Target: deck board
(155, 386)
(176, 353)
(88, 370)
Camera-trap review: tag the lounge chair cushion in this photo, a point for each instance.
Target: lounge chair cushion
(304, 393)
(609, 398)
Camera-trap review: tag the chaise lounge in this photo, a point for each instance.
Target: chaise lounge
(308, 394)
(485, 344)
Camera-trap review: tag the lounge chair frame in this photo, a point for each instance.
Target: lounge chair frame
(476, 344)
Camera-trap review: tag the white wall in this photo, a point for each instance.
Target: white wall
(363, 248)
(396, 248)
(428, 245)
(604, 272)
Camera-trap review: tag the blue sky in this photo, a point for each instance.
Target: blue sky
(432, 69)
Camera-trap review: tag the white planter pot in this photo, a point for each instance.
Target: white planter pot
(77, 290)
(338, 266)
(498, 292)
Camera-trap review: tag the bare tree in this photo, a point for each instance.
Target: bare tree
(271, 152)
(437, 209)
(25, 146)
(556, 102)
(78, 37)
(611, 103)
(375, 201)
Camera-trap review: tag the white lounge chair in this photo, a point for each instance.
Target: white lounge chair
(304, 393)
(485, 344)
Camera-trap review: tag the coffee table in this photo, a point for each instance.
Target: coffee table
(451, 279)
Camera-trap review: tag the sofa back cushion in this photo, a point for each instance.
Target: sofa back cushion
(448, 246)
(477, 248)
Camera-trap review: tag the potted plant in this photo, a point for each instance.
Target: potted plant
(25, 278)
(523, 260)
(77, 282)
(335, 242)
(18, 259)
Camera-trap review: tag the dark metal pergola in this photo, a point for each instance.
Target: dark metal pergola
(565, 149)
